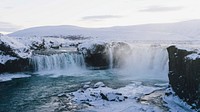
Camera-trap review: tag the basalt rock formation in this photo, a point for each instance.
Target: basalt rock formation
(184, 75)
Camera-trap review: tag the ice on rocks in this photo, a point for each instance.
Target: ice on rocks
(99, 84)
(103, 98)
(7, 77)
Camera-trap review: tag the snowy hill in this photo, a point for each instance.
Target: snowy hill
(187, 30)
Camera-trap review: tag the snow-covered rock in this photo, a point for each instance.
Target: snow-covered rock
(104, 54)
(99, 84)
(175, 104)
(127, 99)
(5, 58)
(11, 49)
(102, 96)
(193, 56)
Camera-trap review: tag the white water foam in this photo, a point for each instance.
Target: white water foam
(146, 62)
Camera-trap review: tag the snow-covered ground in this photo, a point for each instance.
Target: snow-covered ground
(107, 99)
(133, 97)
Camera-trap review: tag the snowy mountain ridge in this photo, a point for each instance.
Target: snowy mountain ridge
(187, 30)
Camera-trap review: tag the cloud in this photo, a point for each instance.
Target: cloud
(100, 17)
(8, 27)
(160, 9)
(8, 7)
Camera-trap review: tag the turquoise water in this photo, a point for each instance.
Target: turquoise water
(27, 94)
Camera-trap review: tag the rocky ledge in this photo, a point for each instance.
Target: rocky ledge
(103, 55)
(184, 74)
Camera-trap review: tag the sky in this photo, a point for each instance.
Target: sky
(21, 14)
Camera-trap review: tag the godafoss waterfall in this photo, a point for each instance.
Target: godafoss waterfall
(101, 76)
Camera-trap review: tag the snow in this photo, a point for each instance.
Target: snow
(193, 47)
(18, 48)
(121, 99)
(175, 104)
(7, 77)
(90, 44)
(187, 30)
(193, 56)
(49, 41)
(5, 58)
(12, 42)
(99, 84)
(106, 99)
(22, 46)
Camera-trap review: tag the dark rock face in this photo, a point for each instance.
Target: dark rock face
(97, 56)
(101, 56)
(184, 75)
(18, 65)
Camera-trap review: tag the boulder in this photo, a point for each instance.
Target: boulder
(96, 55)
(103, 55)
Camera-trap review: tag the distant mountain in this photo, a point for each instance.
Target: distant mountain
(186, 30)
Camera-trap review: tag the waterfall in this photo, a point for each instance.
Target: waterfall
(61, 61)
(110, 57)
(146, 62)
(138, 62)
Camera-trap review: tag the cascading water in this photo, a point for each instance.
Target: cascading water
(110, 57)
(58, 62)
(145, 62)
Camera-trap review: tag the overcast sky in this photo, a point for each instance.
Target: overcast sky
(20, 14)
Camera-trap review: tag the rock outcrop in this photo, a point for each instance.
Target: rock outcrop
(104, 55)
(184, 75)
(96, 56)
(13, 55)
(17, 65)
